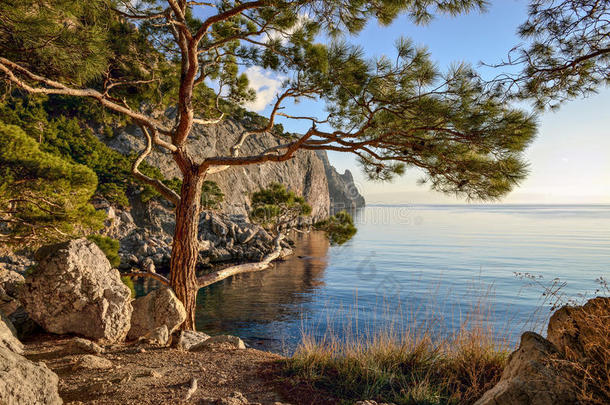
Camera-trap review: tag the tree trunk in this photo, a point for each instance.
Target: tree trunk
(185, 249)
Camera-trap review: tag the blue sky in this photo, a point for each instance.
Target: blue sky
(570, 159)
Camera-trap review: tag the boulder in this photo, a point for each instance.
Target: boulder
(530, 378)
(574, 328)
(75, 290)
(8, 304)
(221, 342)
(10, 281)
(186, 339)
(91, 362)
(82, 346)
(8, 336)
(157, 308)
(23, 382)
(158, 336)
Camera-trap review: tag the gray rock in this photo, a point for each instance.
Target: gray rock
(186, 339)
(75, 290)
(220, 341)
(23, 382)
(82, 346)
(157, 308)
(91, 362)
(10, 281)
(343, 192)
(529, 378)
(8, 335)
(158, 336)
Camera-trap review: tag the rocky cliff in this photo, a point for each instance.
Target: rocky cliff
(343, 192)
(305, 173)
(145, 231)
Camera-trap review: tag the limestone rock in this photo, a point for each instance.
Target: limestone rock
(158, 308)
(91, 362)
(186, 339)
(82, 346)
(75, 290)
(23, 382)
(158, 336)
(572, 328)
(220, 341)
(8, 335)
(529, 378)
(10, 281)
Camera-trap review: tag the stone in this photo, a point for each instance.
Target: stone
(186, 339)
(8, 304)
(10, 281)
(235, 398)
(530, 378)
(24, 325)
(82, 346)
(220, 341)
(23, 382)
(158, 336)
(158, 308)
(572, 328)
(75, 290)
(91, 362)
(8, 335)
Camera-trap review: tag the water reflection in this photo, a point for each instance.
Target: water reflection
(254, 306)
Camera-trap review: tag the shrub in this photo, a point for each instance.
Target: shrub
(129, 283)
(339, 227)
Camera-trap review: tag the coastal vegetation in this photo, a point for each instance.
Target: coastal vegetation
(169, 66)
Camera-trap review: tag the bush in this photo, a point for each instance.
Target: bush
(275, 205)
(129, 283)
(109, 246)
(339, 227)
(43, 197)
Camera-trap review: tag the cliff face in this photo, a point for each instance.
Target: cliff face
(304, 174)
(343, 192)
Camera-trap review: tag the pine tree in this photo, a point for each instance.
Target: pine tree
(566, 55)
(43, 198)
(394, 113)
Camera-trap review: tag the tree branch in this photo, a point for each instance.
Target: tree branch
(155, 276)
(167, 192)
(220, 275)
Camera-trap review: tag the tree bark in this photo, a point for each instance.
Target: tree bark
(185, 248)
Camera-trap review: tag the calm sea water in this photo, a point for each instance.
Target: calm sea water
(432, 261)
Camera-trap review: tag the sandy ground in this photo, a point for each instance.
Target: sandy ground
(163, 375)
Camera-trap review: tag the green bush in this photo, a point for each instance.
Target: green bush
(109, 246)
(339, 227)
(129, 283)
(43, 197)
(275, 205)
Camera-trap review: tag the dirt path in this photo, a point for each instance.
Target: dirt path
(162, 375)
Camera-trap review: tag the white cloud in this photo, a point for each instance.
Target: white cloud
(266, 84)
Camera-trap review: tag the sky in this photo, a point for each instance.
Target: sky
(569, 160)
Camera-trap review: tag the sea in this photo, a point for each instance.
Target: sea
(411, 268)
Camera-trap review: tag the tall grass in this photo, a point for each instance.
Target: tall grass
(414, 359)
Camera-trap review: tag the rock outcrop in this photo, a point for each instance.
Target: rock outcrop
(8, 336)
(574, 328)
(343, 192)
(23, 382)
(75, 290)
(304, 174)
(529, 378)
(156, 309)
(550, 372)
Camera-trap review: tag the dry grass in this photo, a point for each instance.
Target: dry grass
(420, 363)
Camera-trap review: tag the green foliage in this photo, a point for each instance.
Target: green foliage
(129, 283)
(43, 198)
(567, 54)
(275, 206)
(109, 246)
(64, 137)
(63, 38)
(339, 227)
(211, 195)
